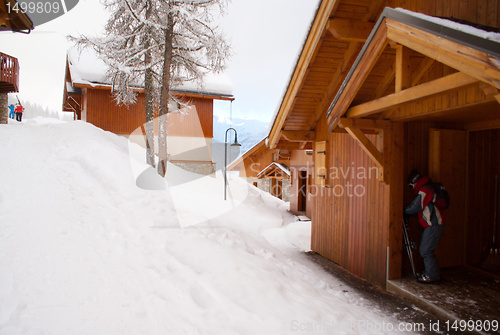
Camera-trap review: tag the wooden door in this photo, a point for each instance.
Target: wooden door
(447, 164)
(302, 191)
(276, 187)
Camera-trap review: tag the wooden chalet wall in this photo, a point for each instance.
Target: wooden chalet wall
(255, 161)
(354, 231)
(485, 12)
(484, 164)
(197, 122)
(349, 226)
(400, 108)
(418, 151)
(103, 112)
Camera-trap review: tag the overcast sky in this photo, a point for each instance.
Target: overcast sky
(266, 38)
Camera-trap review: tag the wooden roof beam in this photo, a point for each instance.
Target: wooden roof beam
(293, 145)
(365, 123)
(450, 82)
(298, 135)
(367, 146)
(4, 20)
(402, 68)
(483, 125)
(475, 63)
(490, 91)
(351, 31)
(472, 56)
(366, 64)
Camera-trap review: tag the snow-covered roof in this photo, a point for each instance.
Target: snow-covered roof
(274, 166)
(466, 28)
(86, 68)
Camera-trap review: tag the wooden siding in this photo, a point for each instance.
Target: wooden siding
(351, 228)
(195, 121)
(484, 163)
(447, 164)
(257, 159)
(257, 162)
(485, 12)
(452, 173)
(102, 111)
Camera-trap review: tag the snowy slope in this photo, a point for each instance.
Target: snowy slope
(83, 250)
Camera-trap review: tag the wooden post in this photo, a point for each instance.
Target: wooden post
(403, 74)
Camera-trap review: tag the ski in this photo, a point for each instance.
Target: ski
(409, 245)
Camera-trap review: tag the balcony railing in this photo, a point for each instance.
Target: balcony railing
(9, 74)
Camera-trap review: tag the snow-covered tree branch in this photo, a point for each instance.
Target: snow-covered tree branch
(157, 44)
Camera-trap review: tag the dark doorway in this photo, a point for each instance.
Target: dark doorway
(302, 191)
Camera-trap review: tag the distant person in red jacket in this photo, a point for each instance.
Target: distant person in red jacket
(19, 113)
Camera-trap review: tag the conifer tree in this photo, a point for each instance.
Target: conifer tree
(159, 44)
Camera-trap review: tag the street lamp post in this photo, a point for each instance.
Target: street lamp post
(235, 144)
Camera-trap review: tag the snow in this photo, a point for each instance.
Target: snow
(84, 250)
(218, 84)
(454, 25)
(87, 68)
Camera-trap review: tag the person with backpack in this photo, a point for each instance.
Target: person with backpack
(19, 113)
(431, 219)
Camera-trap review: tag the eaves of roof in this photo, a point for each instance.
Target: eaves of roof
(303, 60)
(448, 32)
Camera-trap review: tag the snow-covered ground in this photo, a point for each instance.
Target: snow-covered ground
(83, 250)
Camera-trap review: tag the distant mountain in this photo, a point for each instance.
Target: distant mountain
(250, 131)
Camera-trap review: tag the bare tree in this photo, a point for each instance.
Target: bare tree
(158, 44)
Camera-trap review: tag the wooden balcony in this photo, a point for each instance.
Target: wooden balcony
(9, 74)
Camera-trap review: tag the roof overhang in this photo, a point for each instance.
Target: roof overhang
(313, 39)
(476, 58)
(184, 93)
(14, 20)
(274, 170)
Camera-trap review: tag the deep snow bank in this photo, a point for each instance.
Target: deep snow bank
(83, 250)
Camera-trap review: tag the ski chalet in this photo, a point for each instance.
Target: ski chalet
(379, 88)
(88, 95)
(282, 173)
